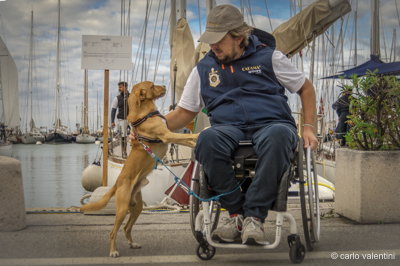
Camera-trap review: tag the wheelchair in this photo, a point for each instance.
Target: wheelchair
(204, 215)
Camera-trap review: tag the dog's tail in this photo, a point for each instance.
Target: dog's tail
(101, 203)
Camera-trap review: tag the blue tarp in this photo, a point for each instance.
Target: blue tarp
(372, 65)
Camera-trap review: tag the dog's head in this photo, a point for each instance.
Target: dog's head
(143, 92)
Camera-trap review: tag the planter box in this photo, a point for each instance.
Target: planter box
(368, 185)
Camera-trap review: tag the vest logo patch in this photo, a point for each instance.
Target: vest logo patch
(252, 69)
(213, 78)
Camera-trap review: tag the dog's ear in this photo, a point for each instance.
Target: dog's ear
(137, 97)
(143, 94)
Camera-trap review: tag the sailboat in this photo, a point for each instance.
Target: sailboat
(33, 135)
(84, 137)
(9, 103)
(59, 133)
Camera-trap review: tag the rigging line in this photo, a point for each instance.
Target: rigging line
(397, 12)
(137, 58)
(162, 50)
(198, 12)
(383, 34)
(336, 49)
(159, 42)
(120, 30)
(146, 21)
(129, 33)
(269, 18)
(154, 35)
(250, 13)
(129, 19)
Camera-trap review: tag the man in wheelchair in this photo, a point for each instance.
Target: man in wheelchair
(241, 83)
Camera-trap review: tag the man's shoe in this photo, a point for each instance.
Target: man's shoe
(228, 229)
(253, 232)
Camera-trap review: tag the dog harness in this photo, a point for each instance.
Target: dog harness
(140, 121)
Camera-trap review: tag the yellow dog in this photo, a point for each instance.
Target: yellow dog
(148, 125)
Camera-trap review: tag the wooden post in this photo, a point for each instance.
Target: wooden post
(105, 127)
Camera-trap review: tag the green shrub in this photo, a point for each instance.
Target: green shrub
(374, 112)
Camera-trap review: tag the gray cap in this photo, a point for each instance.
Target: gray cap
(220, 21)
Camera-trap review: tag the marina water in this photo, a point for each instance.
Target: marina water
(52, 172)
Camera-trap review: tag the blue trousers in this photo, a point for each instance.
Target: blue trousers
(273, 143)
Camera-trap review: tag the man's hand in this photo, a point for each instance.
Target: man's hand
(310, 140)
(113, 124)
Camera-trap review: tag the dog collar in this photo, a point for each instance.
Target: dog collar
(141, 120)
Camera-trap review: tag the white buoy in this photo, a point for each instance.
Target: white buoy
(38, 142)
(91, 177)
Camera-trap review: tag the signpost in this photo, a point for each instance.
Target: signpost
(105, 53)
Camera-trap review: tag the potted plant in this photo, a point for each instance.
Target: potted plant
(368, 171)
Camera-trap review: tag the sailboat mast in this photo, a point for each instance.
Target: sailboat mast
(57, 118)
(85, 104)
(30, 67)
(355, 33)
(172, 22)
(210, 4)
(375, 41)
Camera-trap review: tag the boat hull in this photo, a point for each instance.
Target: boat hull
(28, 139)
(54, 138)
(85, 139)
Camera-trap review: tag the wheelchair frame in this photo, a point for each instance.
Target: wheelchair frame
(204, 221)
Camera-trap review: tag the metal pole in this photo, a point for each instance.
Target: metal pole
(85, 104)
(210, 4)
(375, 42)
(182, 9)
(355, 33)
(172, 23)
(105, 127)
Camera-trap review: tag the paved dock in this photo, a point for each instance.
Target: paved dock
(166, 239)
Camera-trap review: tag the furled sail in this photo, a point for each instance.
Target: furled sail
(305, 26)
(181, 55)
(9, 110)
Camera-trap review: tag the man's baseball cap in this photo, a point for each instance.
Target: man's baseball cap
(220, 21)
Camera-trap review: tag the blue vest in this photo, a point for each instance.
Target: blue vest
(244, 92)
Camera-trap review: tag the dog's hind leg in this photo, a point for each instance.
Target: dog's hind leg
(122, 200)
(135, 209)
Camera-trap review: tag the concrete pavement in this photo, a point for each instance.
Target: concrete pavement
(77, 239)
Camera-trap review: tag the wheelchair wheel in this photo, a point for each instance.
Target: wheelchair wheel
(205, 252)
(297, 250)
(309, 197)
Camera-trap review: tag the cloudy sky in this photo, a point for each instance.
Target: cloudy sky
(103, 17)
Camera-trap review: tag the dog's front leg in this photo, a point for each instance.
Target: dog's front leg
(177, 138)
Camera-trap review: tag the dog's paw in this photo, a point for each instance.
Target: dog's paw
(134, 245)
(114, 254)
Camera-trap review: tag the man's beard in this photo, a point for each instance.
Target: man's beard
(229, 58)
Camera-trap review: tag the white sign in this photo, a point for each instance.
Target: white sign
(106, 52)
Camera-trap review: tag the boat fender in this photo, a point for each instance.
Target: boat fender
(91, 177)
